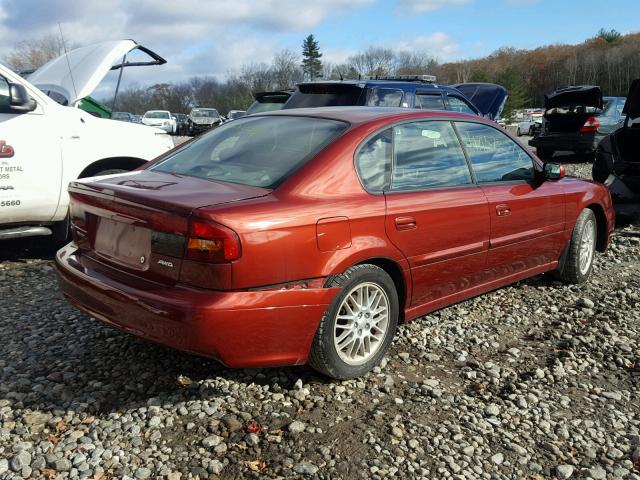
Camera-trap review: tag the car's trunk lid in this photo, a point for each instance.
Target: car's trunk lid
(632, 104)
(138, 222)
(489, 98)
(568, 109)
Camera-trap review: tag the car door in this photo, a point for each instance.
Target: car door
(30, 163)
(435, 214)
(527, 213)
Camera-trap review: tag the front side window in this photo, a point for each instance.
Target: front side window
(384, 97)
(428, 154)
(257, 151)
(429, 101)
(373, 161)
(458, 105)
(493, 155)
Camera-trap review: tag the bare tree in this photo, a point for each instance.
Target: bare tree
(31, 54)
(286, 70)
(373, 61)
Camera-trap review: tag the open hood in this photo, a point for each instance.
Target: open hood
(489, 98)
(581, 96)
(76, 74)
(632, 104)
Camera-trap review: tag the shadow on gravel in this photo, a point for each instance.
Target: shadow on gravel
(31, 248)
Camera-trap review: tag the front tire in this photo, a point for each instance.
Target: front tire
(518, 132)
(358, 327)
(581, 249)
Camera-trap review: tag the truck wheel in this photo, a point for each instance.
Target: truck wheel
(358, 327)
(581, 249)
(544, 153)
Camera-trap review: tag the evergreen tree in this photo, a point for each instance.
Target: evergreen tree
(311, 64)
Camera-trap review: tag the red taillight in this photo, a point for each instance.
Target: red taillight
(591, 125)
(211, 242)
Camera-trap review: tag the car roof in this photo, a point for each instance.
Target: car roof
(399, 84)
(360, 115)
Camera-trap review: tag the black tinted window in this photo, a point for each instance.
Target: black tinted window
(458, 105)
(494, 156)
(430, 102)
(258, 151)
(428, 154)
(325, 95)
(373, 161)
(384, 97)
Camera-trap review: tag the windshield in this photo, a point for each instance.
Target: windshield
(258, 151)
(156, 115)
(209, 113)
(120, 116)
(325, 95)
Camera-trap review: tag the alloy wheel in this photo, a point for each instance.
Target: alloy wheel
(587, 246)
(361, 324)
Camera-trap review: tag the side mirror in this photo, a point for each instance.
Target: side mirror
(554, 171)
(20, 100)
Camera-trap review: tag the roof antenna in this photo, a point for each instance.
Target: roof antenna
(66, 54)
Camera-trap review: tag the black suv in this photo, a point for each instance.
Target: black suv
(411, 91)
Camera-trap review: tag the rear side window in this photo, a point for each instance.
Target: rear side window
(384, 97)
(458, 105)
(373, 161)
(494, 156)
(428, 154)
(429, 101)
(325, 95)
(257, 151)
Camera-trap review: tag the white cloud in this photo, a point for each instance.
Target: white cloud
(439, 45)
(423, 6)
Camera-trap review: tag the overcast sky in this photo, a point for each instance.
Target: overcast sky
(217, 37)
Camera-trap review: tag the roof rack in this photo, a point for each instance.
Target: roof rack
(406, 78)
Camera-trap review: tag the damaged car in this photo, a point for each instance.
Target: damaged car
(203, 119)
(575, 120)
(617, 159)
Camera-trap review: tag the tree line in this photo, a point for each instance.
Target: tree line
(608, 59)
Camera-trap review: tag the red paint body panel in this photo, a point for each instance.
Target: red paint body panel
(448, 244)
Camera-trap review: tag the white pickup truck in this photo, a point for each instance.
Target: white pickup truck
(45, 144)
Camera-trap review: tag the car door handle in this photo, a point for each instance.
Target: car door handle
(503, 210)
(405, 223)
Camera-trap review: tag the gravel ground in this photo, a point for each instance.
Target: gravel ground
(536, 380)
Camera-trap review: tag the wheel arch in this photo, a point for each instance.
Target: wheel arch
(124, 163)
(394, 270)
(601, 226)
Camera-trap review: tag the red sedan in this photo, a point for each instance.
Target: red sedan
(308, 235)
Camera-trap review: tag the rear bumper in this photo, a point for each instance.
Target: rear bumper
(570, 142)
(240, 329)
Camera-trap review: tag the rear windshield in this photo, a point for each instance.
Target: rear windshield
(258, 151)
(267, 105)
(323, 95)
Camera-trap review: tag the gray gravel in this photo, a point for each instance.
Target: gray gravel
(536, 380)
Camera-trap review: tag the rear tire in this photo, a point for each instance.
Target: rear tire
(358, 327)
(581, 249)
(518, 132)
